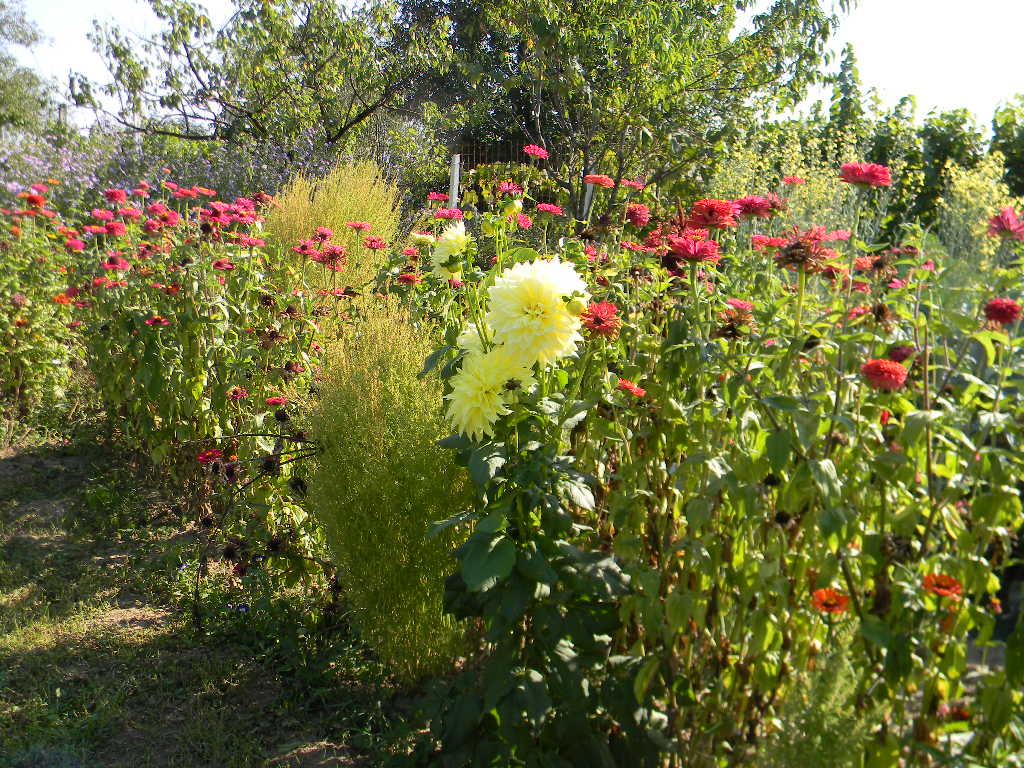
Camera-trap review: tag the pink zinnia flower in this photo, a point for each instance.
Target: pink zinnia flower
(157, 320)
(524, 221)
(793, 180)
(115, 228)
(116, 196)
(599, 179)
(410, 251)
(865, 174)
(887, 375)
(358, 225)
(72, 245)
(693, 250)
(1002, 311)
(554, 210)
(754, 206)
(509, 188)
(225, 265)
(535, 151)
(113, 261)
(277, 400)
(602, 319)
(631, 184)
(323, 233)
(448, 213)
(740, 304)
(638, 214)
(374, 243)
(129, 213)
(41, 189)
(102, 214)
(1006, 225)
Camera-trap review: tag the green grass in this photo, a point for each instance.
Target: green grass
(100, 664)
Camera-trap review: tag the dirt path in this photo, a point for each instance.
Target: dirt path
(100, 668)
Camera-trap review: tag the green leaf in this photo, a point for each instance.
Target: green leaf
(486, 561)
(1015, 657)
(644, 678)
(485, 461)
(824, 473)
(778, 448)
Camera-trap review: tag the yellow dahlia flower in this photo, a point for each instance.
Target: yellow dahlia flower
(483, 389)
(469, 339)
(529, 310)
(446, 257)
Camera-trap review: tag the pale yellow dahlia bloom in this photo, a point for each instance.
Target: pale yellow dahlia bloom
(529, 310)
(469, 339)
(483, 389)
(446, 258)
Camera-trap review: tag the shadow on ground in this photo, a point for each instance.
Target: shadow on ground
(100, 668)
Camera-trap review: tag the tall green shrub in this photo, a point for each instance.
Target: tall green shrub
(381, 480)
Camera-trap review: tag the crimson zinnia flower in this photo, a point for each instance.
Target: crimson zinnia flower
(535, 151)
(599, 179)
(116, 196)
(209, 456)
(884, 374)
(113, 261)
(829, 600)
(1003, 311)
(765, 242)
(602, 319)
(942, 585)
(1005, 224)
(740, 304)
(713, 214)
(865, 174)
(115, 228)
(638, 214)
(628, 386)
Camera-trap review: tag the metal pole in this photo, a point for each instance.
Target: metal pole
(453, 183)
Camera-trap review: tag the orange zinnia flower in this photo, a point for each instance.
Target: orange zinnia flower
(829, 600)
(943, 585)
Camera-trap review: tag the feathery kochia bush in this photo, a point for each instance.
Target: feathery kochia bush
(382, 479)
(349, 193)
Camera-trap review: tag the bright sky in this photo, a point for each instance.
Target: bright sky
(947, 54)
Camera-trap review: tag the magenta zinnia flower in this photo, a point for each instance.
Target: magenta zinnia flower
(754, 206)
(374, 243)
(1006, 225)
(1002, 311)
(554, 210)
(535, 151)
(638, 214)
(448, 213)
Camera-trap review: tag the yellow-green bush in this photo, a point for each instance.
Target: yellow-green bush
(356, 192)
(971, 197)
(380, 482)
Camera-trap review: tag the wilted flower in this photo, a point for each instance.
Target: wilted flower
(237, 393)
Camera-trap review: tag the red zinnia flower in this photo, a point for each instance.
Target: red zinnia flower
(115, 228)
(157, 320)
(409, 278)
(554, 210)
(33, 200)
(942, 585)
(632, 184)
(865, 174)
(223, 264)
(102, 214)
(793, 180)
(129, 213)
(209, 456)
(713, 214)
(638, 214)
(764, 242)
(628, 386)
(374, 243)
(884, 374)
(1003, 311)
(113, 261)
(533, 149)
(602, 319)
(438, 196)
(829, 600)
(116, 196)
